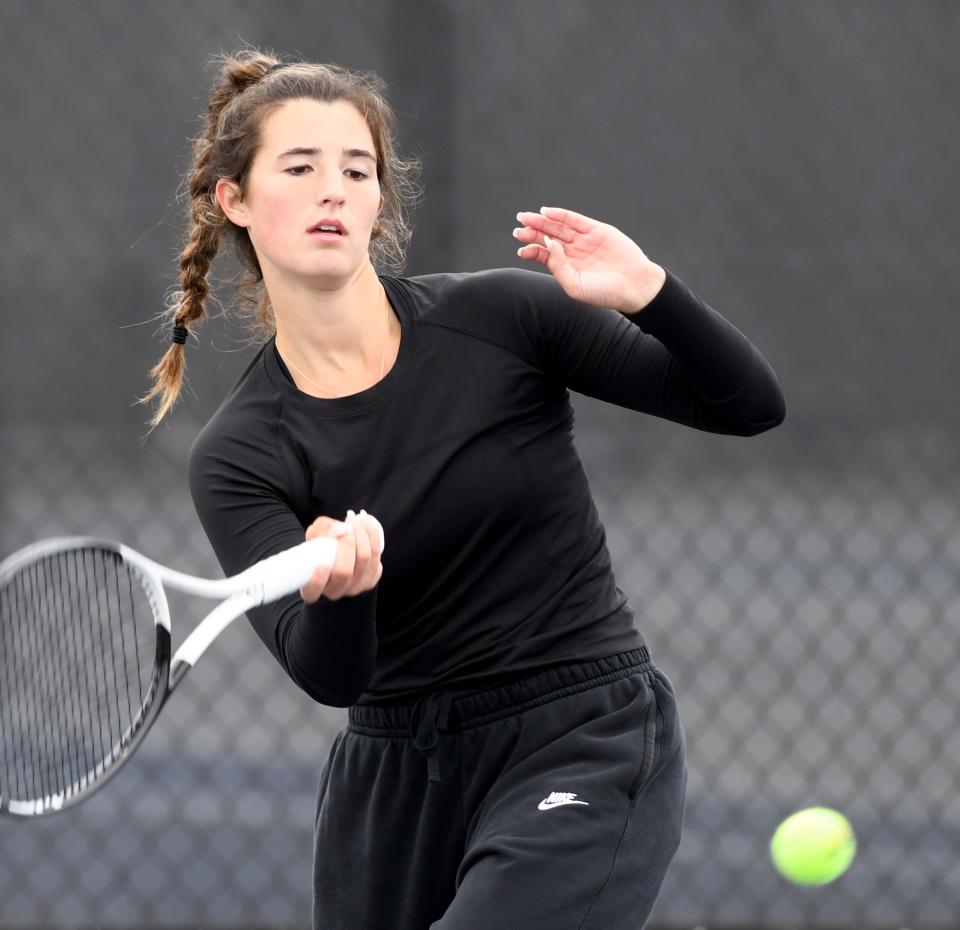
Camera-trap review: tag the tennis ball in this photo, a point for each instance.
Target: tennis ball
(813, 846)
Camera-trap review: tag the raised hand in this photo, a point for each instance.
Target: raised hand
(592, 261)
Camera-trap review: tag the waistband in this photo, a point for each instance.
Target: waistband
(455, 711)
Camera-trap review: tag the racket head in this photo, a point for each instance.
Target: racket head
(84, 669)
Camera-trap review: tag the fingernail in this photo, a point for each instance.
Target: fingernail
(543, 209)
(339, 529)
(520, 252)
(516, 234)
(363, 513)
(547, 240)
(519, 215)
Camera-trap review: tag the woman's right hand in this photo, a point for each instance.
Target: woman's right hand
(357, 567)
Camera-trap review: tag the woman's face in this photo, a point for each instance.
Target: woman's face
(332, 178)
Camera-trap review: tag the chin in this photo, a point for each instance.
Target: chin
(331, 271)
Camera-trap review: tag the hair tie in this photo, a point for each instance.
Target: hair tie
(179, 335)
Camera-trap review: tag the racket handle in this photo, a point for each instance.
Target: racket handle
(268, 580)
(288, 571)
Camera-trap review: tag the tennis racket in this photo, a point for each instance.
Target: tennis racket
(85, 665)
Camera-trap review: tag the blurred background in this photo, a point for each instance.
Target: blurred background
(794, 163)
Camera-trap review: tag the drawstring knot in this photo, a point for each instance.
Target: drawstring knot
(428, 720)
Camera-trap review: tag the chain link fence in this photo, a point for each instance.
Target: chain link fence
(791, 163)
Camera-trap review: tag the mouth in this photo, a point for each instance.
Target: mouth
(327, 228)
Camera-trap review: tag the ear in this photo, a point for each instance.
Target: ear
(231, 202)
(380, 208)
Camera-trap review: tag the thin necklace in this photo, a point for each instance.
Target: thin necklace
(383, 362)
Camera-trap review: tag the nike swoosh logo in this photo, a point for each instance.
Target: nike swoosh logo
(547, 804)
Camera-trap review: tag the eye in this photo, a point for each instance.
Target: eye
(297, 171)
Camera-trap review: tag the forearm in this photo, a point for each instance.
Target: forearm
(726, 369)
(330, 648)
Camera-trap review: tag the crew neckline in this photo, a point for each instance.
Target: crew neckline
(281, 379)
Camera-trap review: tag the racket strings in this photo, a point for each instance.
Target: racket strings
(77, 646)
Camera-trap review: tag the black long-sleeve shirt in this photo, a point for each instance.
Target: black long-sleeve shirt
(496, 562)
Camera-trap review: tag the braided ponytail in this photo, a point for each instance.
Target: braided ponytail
(252, 84)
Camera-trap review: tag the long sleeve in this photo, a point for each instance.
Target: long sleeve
(724, 369)
(677, 358)
(331, 650)
(328, 648)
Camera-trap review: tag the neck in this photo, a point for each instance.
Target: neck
(338, 342)
(330, 326)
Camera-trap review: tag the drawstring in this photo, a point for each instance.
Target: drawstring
(427, 720)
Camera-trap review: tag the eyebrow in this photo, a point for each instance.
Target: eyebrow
(303, 150)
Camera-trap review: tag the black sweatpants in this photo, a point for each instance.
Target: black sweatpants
(553, 802)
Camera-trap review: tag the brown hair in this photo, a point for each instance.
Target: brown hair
(252, 85)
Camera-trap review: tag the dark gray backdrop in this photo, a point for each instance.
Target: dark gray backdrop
(794, 163)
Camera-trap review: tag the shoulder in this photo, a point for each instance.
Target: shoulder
(452, 295)
(238, 442)
(505, 306)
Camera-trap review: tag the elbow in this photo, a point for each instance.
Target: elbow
(333, 690)
(336, 686)
(777, 408)
(331, 698)
(761, 404)
(764, 417)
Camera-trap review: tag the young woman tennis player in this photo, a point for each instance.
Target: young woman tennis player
(513, 757)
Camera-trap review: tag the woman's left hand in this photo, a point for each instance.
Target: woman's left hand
(592, 261)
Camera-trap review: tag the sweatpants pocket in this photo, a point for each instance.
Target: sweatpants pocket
(325, 778)
(662, 731)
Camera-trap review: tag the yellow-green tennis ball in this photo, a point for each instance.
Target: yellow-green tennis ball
(813, 846)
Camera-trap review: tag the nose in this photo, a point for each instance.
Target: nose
(330, 186)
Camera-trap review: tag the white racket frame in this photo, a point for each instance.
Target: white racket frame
(268, 580)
